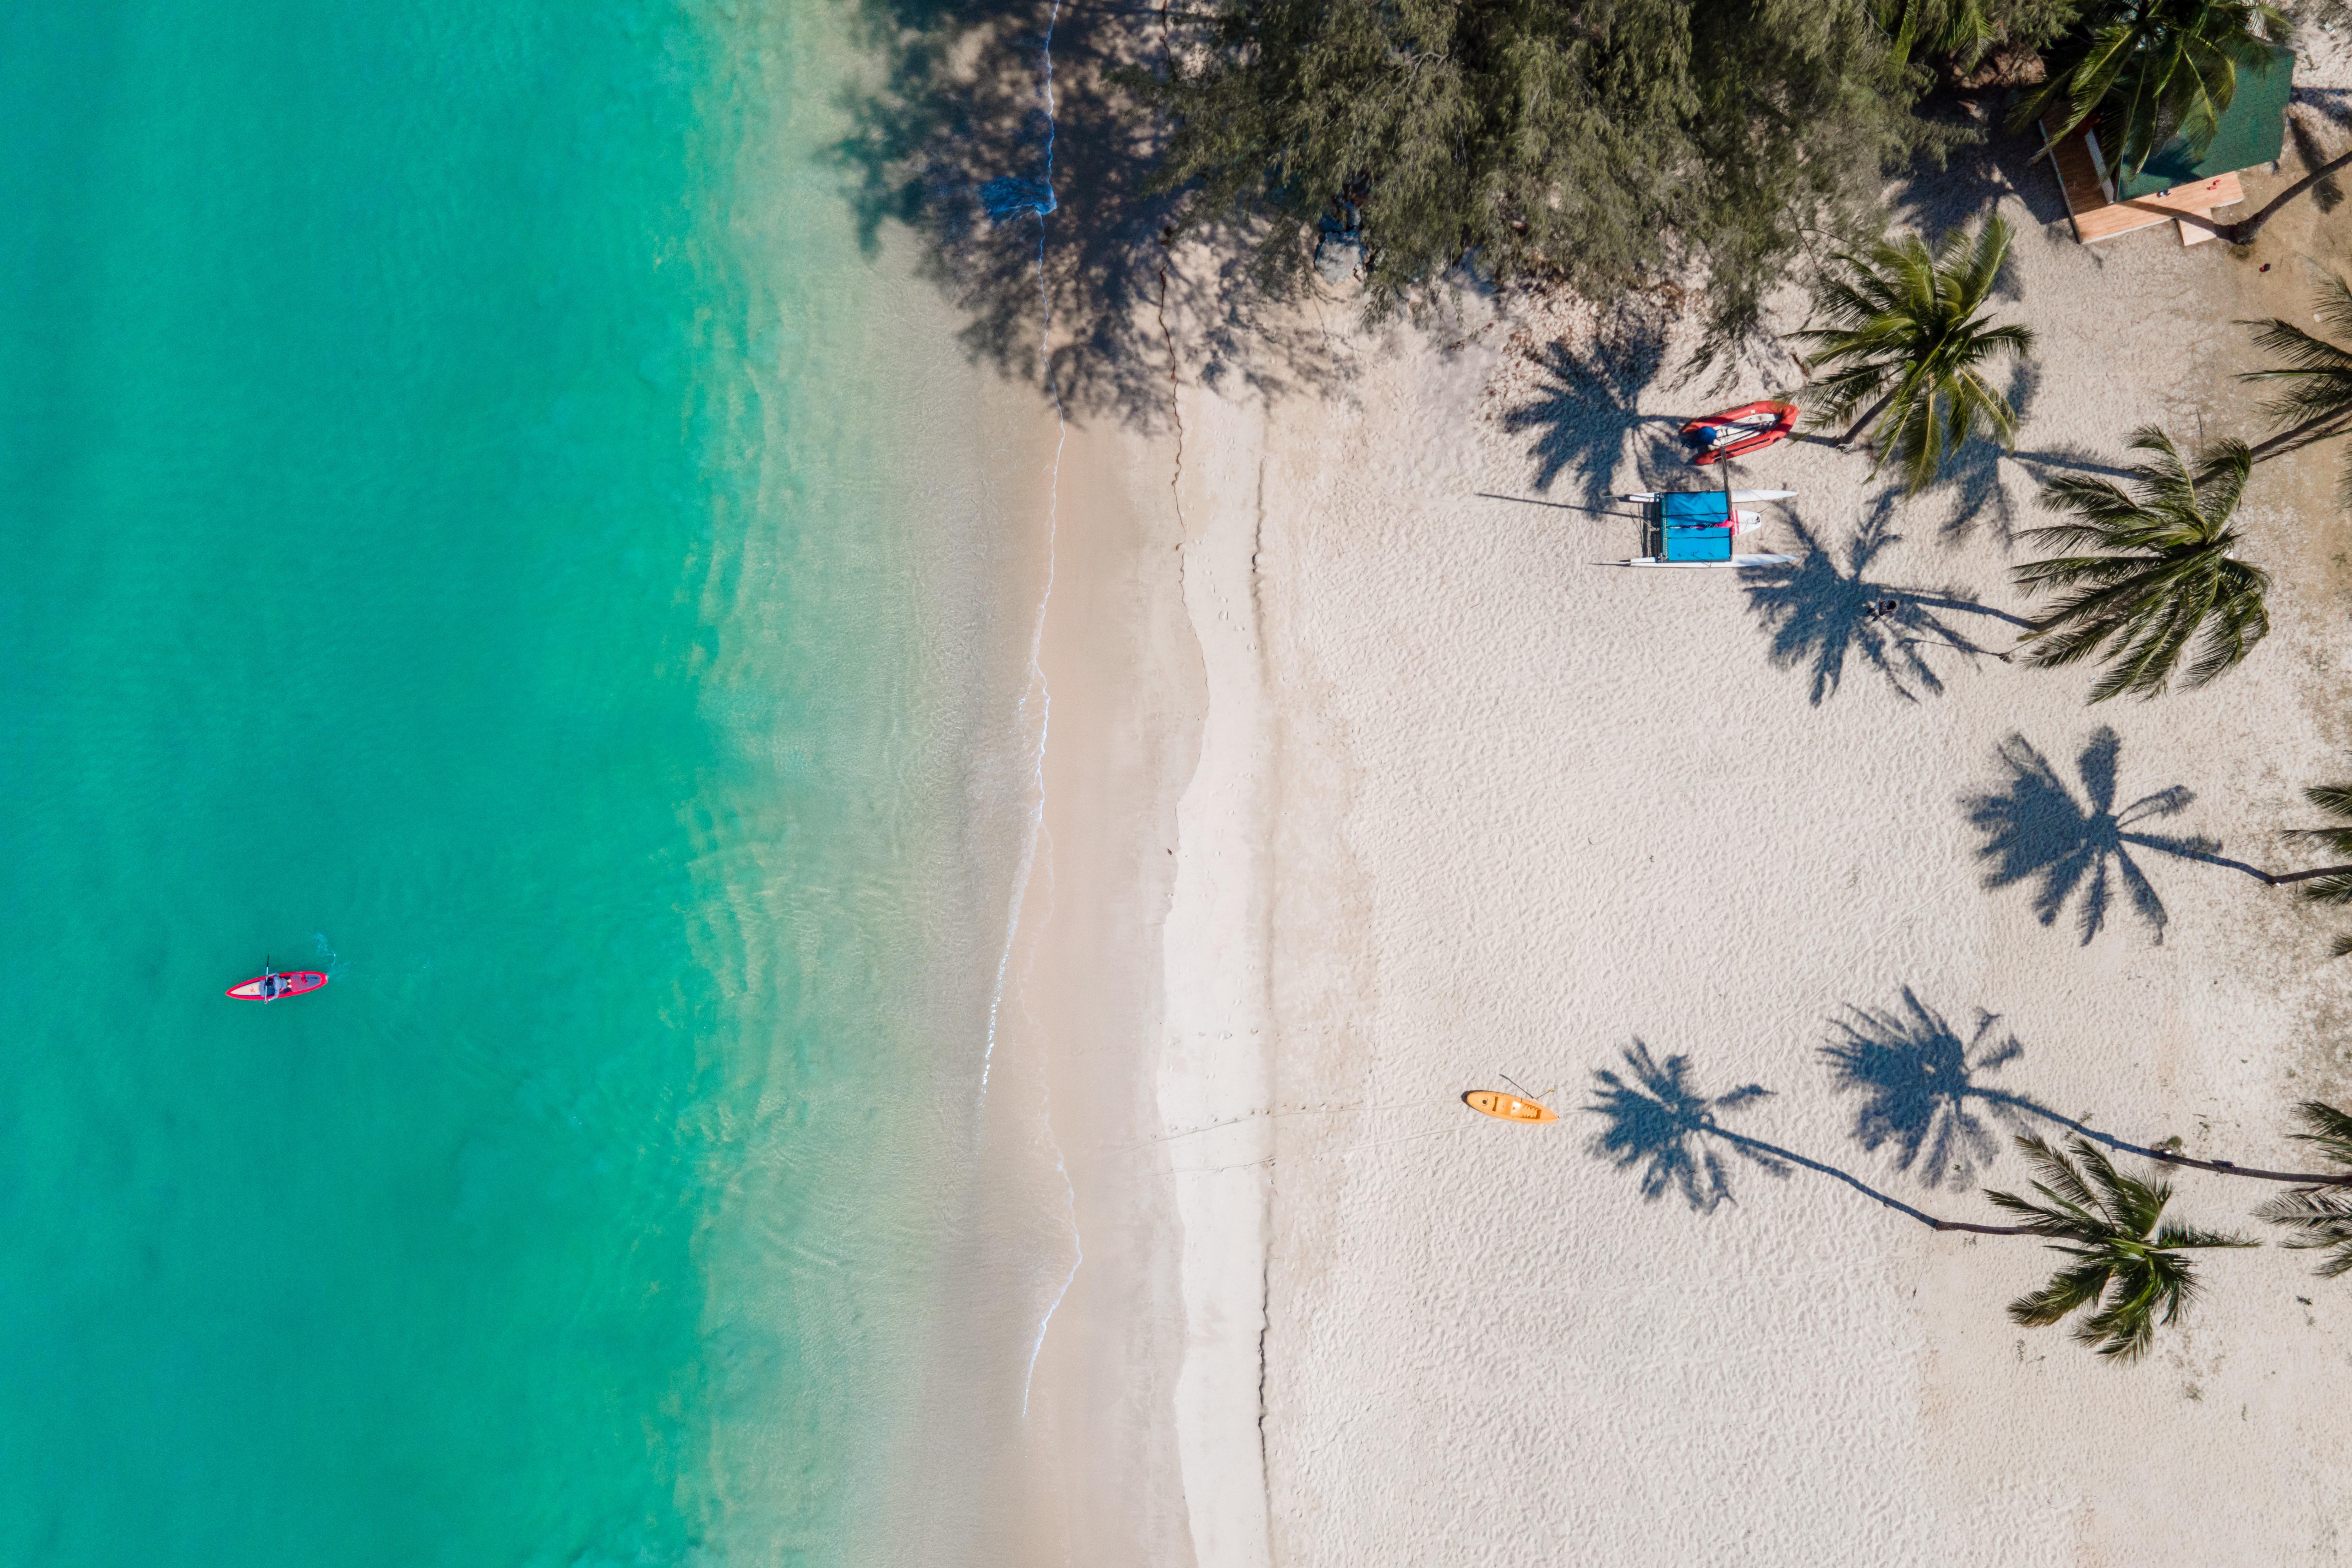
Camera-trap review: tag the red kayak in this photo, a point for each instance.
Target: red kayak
(270, 987)
(1735, 431)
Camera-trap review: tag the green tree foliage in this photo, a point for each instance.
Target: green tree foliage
(1604, 142)
(2320, 1217)
(2155, 69)
(2328, 884)
(2313, 402)
(2161, 573)
(1961, 31)
(2128, 1269)
(1907, 339)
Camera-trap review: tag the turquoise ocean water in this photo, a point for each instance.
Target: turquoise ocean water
(456, 534)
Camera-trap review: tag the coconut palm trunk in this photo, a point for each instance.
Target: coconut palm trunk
(1757, 1147)
(2286, 878)
(2242, 232)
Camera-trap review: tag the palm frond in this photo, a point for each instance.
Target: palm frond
(2314, 375)
(2127, 1326)
(2300, 349)
(1904, 330)
(2333, 889)
(2056, 1172)
(2331, 841)
(2067, 1289)
(2327, 1130)
(2162, 581)
(2317, 1218)
(2336, 800)
(2188, 1236)
(2332, 302)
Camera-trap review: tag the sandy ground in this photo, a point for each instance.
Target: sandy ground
(1370, 782)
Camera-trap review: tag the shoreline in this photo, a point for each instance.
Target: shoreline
(1085, 1001)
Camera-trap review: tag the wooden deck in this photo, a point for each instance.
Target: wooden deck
(2098, 218)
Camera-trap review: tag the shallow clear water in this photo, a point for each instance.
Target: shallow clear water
(455, 537)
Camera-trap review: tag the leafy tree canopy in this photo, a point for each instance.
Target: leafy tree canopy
(1602, 142)
(1963, 30)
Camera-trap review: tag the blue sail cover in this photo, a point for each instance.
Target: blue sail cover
(1704, 508)
(1698, 543)
(1695, 525)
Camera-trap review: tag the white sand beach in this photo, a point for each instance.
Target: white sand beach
(1372, 781)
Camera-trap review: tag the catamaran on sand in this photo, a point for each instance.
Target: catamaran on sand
(1700, 527)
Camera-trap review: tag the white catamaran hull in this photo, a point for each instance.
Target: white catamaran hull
(1652, 497)
(1736, 560)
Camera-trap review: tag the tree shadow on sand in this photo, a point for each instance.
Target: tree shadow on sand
(1027, 219)
(1820, 614)
(2037, 831)
(1917, 1075)
(1587, 413)
(1977, 480)
(1658, 1121)
(1985, 164)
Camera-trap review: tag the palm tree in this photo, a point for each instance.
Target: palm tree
(2314, 401)
(2163, 573)
(2328, 884)
(2156, 69)
(2128, 1269)
(2320, 1216)
(1907, 340)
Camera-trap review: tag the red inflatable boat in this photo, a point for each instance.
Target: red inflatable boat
(1735, 431)
(269, 986)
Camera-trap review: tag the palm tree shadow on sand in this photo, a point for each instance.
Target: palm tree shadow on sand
(1820, 614)
(1918, 1077)
(2037, 831)
(1587, 411)
(1973, 481)
(1658, 1121)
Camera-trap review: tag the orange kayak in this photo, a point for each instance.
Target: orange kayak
(1508, 1106)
